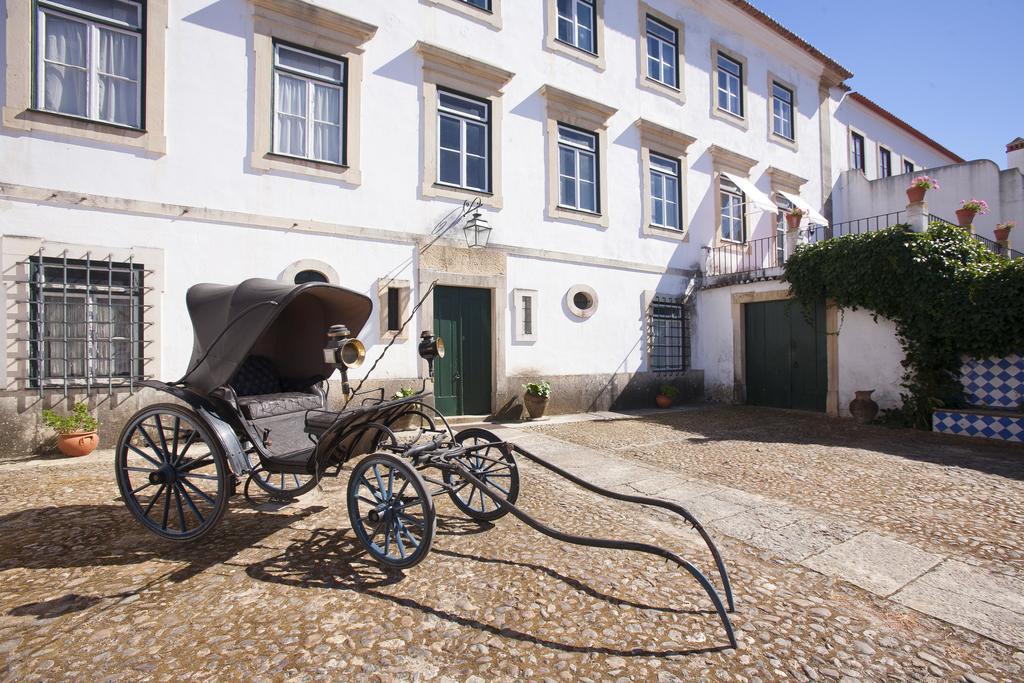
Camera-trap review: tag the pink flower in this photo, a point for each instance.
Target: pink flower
(927, 182)
(975, 205)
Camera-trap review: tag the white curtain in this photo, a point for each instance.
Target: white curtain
(291, 115)
(327, 128)
(118, 77)
(64, 81)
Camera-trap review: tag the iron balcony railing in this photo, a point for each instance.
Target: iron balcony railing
(751, 256)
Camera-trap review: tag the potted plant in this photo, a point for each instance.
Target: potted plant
(405, 422)
(920, 185)
(76, 432)
(666, 394)
(969, 208)
(793, 217)
(536, 398)
(1002, 231)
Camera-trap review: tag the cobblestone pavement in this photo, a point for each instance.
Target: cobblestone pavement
(955, 494)
(87, 594)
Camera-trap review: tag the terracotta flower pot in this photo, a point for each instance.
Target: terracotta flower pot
(77, 443)
(916, 194)
(965, 217)
(862, 407)
(1002, 234)
(663, 401)
(793, 221)
(535, 405)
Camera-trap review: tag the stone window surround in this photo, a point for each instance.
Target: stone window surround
(588, 115)
(643, 80)
(517, 314)
(553, 44)
(15, 250)
(450, 70)
(733, 162)
(742, 122)
(878, 160)
(404, 299)
(904, 159)
(289, 273)
(306, 26)
(491, 18)
(570, 303)
(20, 112)
(739, 345)
(658, 139)
(649, 296)
(850, 130)
(772, 135)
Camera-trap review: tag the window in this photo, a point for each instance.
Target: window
(89, 60)
(394, 309)
(785, 206)
(576, 24)
(581, 300)
(732, 201)
(730, 85)
(86, 322)
(669, 343)
(463, 140)
(482, 4)
(665, 192)
(524, 308)
(393, 301)
(908, 166)
(662, 53)
(304, 276)
(857, 149)
(884, 162)
(577, 169)
(308, 120)
(782, 111)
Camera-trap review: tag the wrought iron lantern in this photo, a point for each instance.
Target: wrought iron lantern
(477, 231)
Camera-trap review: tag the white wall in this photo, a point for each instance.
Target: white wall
(869, 358)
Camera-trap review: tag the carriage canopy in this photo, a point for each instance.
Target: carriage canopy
(283, 322)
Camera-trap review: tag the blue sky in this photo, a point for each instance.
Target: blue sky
(953, 69)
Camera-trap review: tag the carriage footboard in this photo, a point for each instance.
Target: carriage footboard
(499, 500)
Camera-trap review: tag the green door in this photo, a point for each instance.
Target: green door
(786, 364)
(462, 382)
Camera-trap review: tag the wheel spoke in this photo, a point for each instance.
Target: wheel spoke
(387, 538)
(152, 444)
(398, 538)
(498, 486)
(144, 486)
(193, 475)
(177, 431)
(196, 464)
(374, 492)
(191, 439)
(391, 483)
(163, 437)
(483, 503)
(380, 484)
(191, 503)
(198, 490)
(154, 499)
(138, 469)
(181, 510)
(151, 460)
(167, 508)
(368, 501)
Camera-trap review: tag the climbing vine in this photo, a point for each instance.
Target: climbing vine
(947, 293)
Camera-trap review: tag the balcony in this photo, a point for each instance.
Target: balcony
(763, 258)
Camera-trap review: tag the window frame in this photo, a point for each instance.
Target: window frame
(574, 20)
(730, 76)
(723, 191)
(856, 136)
(489, 16)
(884, 162)
(385, 301)
(92, 22)
(463, 120)
(342, 85)
(676, 179)
(578, 149)
(781, 228)
(909, 162)
(682, 352)
(553, 43)
(775, 83)
(663, 43)
(519, 312)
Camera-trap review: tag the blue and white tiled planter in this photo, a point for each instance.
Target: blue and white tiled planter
(994, 387)
(989, 426)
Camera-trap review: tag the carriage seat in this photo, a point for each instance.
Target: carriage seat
(263, 393)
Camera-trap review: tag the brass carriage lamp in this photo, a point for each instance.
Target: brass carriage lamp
(344, 351)
(430, 347)
(477, 231)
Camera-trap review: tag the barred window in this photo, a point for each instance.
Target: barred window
(86, 322)
(670, 348)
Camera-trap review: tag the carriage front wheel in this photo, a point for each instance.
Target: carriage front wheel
(173, 475)
(494, 465)
(391, 512)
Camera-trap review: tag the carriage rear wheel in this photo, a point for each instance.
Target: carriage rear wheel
(280, 485)
(493, 465)
(391, 512)
(173, 475)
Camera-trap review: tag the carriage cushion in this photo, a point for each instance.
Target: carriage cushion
(269, 405)
(256, 376)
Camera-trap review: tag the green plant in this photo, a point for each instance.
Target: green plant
(404, 392)
(947, 294)
(541, 388)
(78, 420)
(668, 390)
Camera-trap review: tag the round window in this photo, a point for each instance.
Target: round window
(581, 301)
(304, 276)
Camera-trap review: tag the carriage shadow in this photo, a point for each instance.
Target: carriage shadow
(334, 559)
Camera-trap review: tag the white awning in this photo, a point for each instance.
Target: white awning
(799, 203)
(754, 196)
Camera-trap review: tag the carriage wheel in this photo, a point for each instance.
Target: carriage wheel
(278, 484)
(495, 466)
(172, 474)
(391, 511)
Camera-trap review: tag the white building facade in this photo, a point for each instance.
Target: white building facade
(149, 146)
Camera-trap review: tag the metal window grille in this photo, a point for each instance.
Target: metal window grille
(86, 323)
(394, 309)
(670, 338)
(527, 315)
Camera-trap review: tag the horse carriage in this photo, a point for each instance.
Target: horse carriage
(253, 409)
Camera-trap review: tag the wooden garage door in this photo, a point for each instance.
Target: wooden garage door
(786, 365)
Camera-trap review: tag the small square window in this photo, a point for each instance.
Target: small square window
(393, 299)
